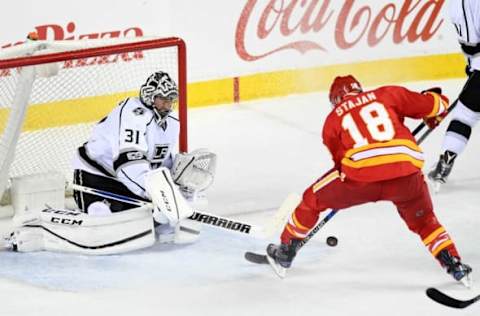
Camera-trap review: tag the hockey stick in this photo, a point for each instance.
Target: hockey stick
(430, 130)
(446, 300)
(262, 259)
(317, 228)
(204, 218)
(420, 126)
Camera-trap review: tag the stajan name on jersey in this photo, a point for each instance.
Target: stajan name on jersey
(352, 103)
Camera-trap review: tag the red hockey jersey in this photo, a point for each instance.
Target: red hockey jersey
(367, 137)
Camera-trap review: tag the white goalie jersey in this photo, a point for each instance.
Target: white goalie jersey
(139, 146)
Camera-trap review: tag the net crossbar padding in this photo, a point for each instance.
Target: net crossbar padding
(52, 93)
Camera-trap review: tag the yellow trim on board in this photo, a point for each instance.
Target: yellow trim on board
(67, 112)
(74, 111)
(370, 73)
(263, 85)
(208, 93)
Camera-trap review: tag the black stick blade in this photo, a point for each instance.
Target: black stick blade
(256, 258)
(446, 300)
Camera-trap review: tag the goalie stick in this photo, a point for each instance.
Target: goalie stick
(202, 217)
(446, 300)
(262, 259)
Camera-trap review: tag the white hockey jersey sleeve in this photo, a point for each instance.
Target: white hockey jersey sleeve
(130, 161)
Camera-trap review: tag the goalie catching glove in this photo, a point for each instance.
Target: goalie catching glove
(440, 110)
(194, 171)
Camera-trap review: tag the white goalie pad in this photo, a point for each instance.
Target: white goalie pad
(66, 230)
(166, 197)
(194, 171)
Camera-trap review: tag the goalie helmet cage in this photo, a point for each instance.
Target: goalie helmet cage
(53, 92)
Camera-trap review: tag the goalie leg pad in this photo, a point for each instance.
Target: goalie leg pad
(72, 231)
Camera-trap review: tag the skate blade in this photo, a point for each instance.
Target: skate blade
(278, 269)
(435, 185)
(467, 281)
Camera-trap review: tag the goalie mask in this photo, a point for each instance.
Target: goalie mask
(159, 86)
(343, 86)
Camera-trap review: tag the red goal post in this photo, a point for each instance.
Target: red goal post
(51, 94)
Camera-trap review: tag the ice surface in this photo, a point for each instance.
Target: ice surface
(266, 149)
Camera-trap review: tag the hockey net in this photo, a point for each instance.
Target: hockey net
(52, 93)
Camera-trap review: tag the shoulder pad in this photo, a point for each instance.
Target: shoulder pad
(133, 107)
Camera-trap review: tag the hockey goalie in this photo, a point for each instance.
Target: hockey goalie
(130, 188)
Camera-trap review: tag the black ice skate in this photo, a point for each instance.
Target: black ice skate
(458, 270)
(443, 168)
(281, 256)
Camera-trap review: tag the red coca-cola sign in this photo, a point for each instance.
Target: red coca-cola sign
(302, 25)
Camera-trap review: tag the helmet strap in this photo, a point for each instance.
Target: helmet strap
(161, 116)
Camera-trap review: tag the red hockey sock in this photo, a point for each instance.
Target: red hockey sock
(439, 240)
(302, 220)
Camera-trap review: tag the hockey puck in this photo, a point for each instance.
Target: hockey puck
(332, 241)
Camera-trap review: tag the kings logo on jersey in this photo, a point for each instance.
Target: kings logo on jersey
(139, 111)
(160, 153)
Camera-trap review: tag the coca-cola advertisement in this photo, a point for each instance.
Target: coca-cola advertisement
(268, 27)
(238, 37)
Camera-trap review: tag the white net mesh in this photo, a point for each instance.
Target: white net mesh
(63, 108)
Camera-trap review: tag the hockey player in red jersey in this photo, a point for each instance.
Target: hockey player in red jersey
(376, 159)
